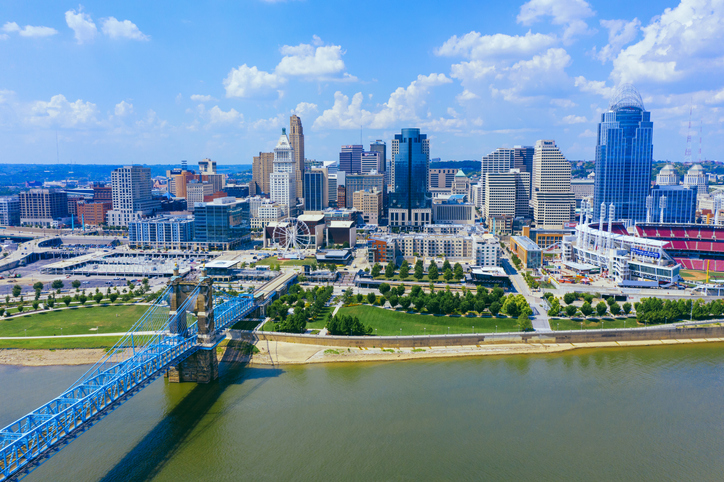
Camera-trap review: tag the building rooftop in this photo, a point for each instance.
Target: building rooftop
(526, 243)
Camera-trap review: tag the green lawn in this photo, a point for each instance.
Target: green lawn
(73, 321)
(317, 324)
(245, 325)
(593, 323)
(61, 343)
(288, 262)
(388, 322)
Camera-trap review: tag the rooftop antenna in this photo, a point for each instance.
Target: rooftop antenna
(687, 153)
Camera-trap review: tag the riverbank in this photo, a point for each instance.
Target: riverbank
(277, 353)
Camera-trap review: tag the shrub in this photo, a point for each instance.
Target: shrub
(571, 310)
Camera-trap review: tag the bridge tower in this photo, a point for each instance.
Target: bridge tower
(202, 366)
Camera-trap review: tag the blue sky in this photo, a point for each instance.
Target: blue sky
(157, 82)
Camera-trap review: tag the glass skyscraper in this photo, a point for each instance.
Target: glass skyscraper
(411, 166)
(624, 155)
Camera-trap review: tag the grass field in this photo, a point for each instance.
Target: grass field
(388, 322)
(60, 343)
(695, 275)
(593, 323)
(317, 324)
(108, 319)
(288, 262)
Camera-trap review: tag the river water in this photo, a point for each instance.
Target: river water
(652, 413)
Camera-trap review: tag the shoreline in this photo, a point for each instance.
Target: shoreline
(273, 353)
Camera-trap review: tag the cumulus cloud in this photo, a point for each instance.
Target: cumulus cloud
(246, 81)
(587, 133)
(565, 103)
(404, 104)
(305, 60)
(28, 30)
(218, 116)
(122, 29)
(59, 112)
(201, 98)
(574, 119)
(123, 108)
(304, 109)
(620, 33)
(568, 13)
(682, 42)
(84, 28)
(466, 96)
(537, 76)
(473, 45)
(597, 87)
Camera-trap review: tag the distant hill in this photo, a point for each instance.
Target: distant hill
(467, 166)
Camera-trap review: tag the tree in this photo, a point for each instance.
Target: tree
(494, 308)
(66, 299)
(432, 271)
(446, 265)
(376, 270)
(75, 284)
(36, 304)
(555, 307)
(627, 307)
(405, 302)
(20, 308)
(113, 297)
(360, 297)
(588, 297)
(371, 298)
(570, 310)
(384, 288)
(50, 303)
(569, 298)
(525, 323)
(400, 290)
(419, 270)
(394, 300)
(404, 270)
(448, 275)
(390, 270)
(610, 301)
(511, 308)
(586, 309)
(82, 299)
(458, 272)
(347, 325)
(98, 297)
(615, 308)
(419, 303)
(601, 308)
(16, 291)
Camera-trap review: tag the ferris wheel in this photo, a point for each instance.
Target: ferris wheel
(292, 235)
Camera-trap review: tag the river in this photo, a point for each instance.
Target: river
(650, 413)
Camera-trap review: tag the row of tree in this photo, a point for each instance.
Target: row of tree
(292, 311)
(587, 308)
(347, 325)
(448, 271)
(656, 310)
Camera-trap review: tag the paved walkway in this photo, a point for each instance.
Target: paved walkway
(540, 316)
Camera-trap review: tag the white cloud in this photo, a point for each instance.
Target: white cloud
(249, 81)
(122, 29)
(201, 98)
(597, 87)
(540, 75)
(574, 119)
(307, 61)
(218, 116)
(82, 25)
(466, 96)
(587, 133)
(271, 123)
(28, 30)
(620, 33)
(61, 113)
(304, 109)
(565, 103)
(404, 104)
(123, 108)
(472, 71)
(473, 45)
(568, 13)
(682, 42)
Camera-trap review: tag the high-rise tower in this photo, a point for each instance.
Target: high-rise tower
(553, 201)
(410, 203)
(624, 154)
(296, 138)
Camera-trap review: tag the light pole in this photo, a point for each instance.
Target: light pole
(473, 329)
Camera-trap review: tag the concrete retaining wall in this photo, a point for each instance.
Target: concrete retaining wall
(583, 336)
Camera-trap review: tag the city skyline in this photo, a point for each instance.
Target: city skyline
(124, 84)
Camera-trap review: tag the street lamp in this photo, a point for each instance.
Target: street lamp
(473, 329)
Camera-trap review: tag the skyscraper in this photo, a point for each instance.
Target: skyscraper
(370, 161)
(296, 138)
(553, 201)
(381, 147)
(261, 168)
(523, 160)
(283, 185)
(500, 160)
(316, 190)
(410, 203)
(131, 195)
(624, 154)
(350, 159)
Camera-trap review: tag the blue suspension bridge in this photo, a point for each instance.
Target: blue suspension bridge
(177, 335)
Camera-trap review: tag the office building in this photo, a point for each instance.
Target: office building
(10, 211)
(361, 182)
(461, 184)
(370, 162)
(261, 169)
(132, 195)
(283, 181)
(370, 204)
(42, 207)
(453, 209)
(679, 206)
(395, 148)
(332, 189)
(222, 224)
(237, 190)
(171, 232)
(316, 190)
(350, 159)
(528, 252)
(486, 250)
(500, 160)
(440, 181)
(506, 194)
(207, 166)
(266, 213)
(477, 195)
(341, 197)
(296, 138)
(624, 153)
(93, 213)
(179, 181)
(581, 188)
(553, 202)
(667, 176)
(103, 194)
(196, 192)
(696, 177)
(409, 205)
(523, 160)
(380, 147)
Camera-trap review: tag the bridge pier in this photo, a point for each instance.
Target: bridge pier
(202, 366)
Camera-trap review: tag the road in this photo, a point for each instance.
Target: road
(540, 316)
